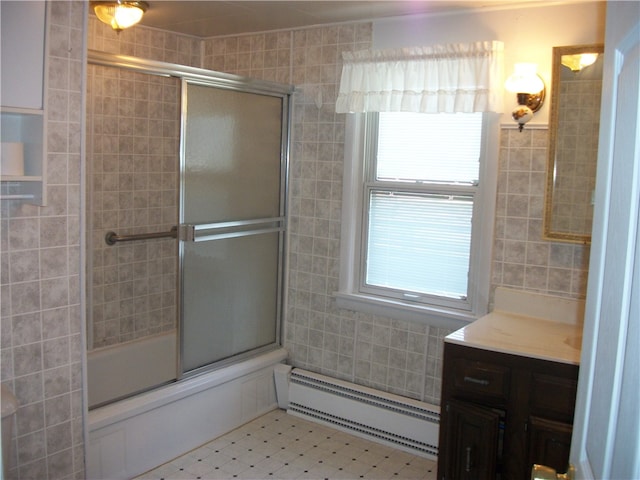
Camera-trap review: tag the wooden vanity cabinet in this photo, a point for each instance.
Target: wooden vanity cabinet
(502, 413)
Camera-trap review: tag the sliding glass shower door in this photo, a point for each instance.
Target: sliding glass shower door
(232, 221)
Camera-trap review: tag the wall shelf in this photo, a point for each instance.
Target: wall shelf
(15, 178)
(28, 127)
(17, 197)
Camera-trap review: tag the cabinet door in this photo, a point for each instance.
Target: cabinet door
(549, 444)
(553, 397)
(472, 445)
(22, 53)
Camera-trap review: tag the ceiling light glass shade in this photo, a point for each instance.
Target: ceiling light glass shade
(577, 62)
(525, 79)
(120, 14)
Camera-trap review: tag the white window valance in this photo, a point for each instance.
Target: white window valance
(435, 79)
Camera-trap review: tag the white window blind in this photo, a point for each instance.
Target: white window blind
(419, 243)
(429, 148)
(421, 190)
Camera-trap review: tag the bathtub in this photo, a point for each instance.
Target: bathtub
(132, 436)
(118, 371)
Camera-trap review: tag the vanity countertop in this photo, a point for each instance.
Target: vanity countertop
(552, 332)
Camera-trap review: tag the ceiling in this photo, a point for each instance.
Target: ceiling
(213, 18)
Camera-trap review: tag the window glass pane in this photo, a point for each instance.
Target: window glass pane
(419, 243)
(429, 147)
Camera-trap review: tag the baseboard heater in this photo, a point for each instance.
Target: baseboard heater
(401, 422)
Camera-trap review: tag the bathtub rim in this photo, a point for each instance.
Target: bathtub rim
(121, 410)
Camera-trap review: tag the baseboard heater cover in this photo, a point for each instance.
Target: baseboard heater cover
(401, 422)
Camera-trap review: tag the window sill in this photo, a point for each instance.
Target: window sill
(436, 317)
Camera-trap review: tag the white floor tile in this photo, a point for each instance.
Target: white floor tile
(282, 446)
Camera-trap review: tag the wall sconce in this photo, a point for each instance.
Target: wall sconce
(120, 14)
(529, 88)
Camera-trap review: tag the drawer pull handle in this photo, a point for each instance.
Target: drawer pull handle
(477, 381)
(468, 460)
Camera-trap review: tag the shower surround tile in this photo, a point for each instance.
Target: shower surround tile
(133, 162)
(146, 43)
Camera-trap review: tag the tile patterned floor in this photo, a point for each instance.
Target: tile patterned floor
(282, 446)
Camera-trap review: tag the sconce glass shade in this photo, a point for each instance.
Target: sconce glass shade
(579, 61)
(525, 79)
(522, 114)
(120, 14)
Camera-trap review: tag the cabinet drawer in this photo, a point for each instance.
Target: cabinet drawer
(481, 378)
(553, 396)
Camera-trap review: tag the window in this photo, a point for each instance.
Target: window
(418, 212)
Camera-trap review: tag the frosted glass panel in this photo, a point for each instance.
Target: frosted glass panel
(230, 295)
(233, 144)
(232, 172)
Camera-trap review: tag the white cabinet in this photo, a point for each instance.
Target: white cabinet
(23, 34)
(23, 94)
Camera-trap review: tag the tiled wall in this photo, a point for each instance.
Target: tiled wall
(522, 260)
(576, 155)
(146, 43)
(265, 56)
(133, 129)
(42, 344)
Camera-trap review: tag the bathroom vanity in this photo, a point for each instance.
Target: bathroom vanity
(509, 388)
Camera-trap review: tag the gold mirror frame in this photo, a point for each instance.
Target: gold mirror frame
(568, 199)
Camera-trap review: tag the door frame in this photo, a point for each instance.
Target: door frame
(606, 441)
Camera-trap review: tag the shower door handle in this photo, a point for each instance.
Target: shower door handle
(216, 231)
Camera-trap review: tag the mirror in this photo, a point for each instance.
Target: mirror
(574, 122)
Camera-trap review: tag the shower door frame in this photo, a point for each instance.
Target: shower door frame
(240, 84)
(277, 224)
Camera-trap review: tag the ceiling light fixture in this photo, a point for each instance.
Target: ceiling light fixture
(579, 61)
(120, 14)
(529, 88)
